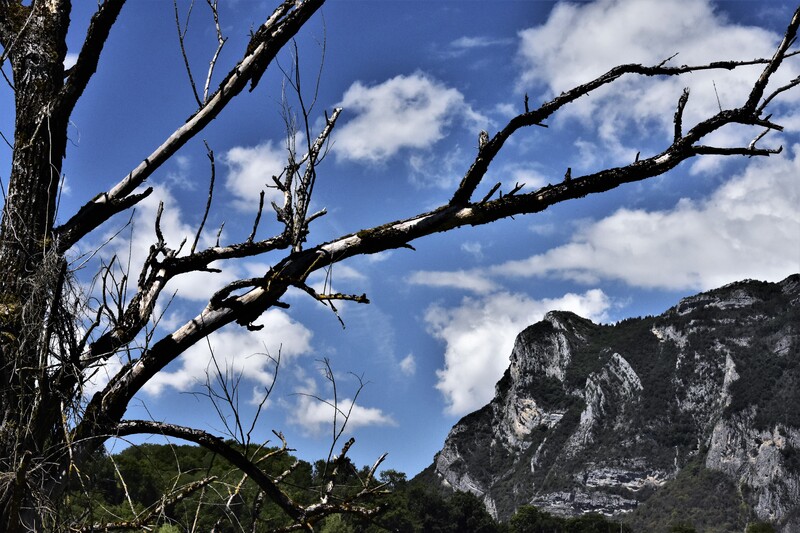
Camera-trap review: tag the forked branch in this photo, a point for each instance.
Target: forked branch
(264, 45)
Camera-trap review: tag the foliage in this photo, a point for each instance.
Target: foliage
(682, 528)
(529, 519)
(139, 475)
(138, 478)
(697, 499)
(759, 527)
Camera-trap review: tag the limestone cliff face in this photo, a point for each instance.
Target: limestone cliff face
(598, 418)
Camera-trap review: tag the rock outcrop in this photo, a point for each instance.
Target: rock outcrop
(598, 418)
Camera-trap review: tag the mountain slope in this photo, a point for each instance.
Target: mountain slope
(598, 418)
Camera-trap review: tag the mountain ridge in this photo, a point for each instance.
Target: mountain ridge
(600, 418)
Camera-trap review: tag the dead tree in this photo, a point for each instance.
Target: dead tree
(48, 348)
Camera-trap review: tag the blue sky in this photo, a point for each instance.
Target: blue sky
(418, 81)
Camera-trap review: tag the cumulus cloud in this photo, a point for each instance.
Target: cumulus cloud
(250, 170)
(410, 111)
(479, 335)
(525, 175)
(250, 354)
(173, 227)
(101, 375)
(324, 279)
(748, 228)
(580, 41)
(340, 278)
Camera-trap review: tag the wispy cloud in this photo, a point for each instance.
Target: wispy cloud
(471, 280)
(180, 176)
(463, 45)
(474, 248)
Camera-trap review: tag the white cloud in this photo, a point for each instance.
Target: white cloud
(580, 41)
(100, 376)
(403, 112)
(748, 228)
(337, 272)
(315, 417)
(464, 45)
(248, 353)
(408, 366)
(473, 248)
(479, 335)
(468, 43)
(544, 230)
(173, 227)
(314, 413)
(507, 110)
(471, 280)
(250, 171)
(525, 175)
(379, 257)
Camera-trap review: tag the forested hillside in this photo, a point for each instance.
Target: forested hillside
(207, 494)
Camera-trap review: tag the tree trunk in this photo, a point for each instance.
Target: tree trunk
(30, 275)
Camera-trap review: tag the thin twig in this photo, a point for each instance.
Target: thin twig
(220, 43)
(210, 154)
(181, 40)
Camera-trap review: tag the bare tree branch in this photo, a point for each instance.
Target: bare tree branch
(478, 169)
(284, 23)
(221, 40)
(89, 56)
(303, 516)
(210, 154)
(772, 66)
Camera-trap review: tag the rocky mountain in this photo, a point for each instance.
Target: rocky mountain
(692, 414)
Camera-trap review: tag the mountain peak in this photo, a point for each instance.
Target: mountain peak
(605, 418)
